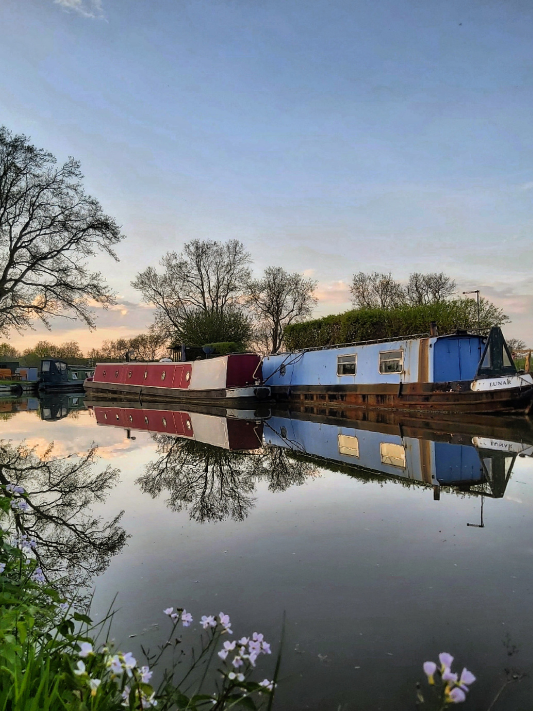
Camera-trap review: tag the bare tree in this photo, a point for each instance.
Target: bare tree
(429, 288)
(59, 491)
(48, 228)
(376, 291)
(208, 276)
(279, 299)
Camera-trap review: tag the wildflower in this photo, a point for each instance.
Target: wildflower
(230, 646)
(94, 684)
(38, 575)
(148, 701)
(64, 606)
(126, 696)
(86, 648)
(186, 618)
(174, 616)
(208, 621)
(128, 662)
(457, 695)
(265, 648)
(2, 567)
(257, 637)
(81, 669)
(267, 684)
(429, 669)
(446, 660)
(223, 654)
(19, 504)
(13, 489)
(448, 676)
(146, 675)
(254, 647)
(237, 662)
(168, 611)
(243, 641)
(466, 679)
(115, 665)
(233, 676)
(225, 622)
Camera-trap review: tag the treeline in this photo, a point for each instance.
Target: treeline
(144, 347)
(366, 324)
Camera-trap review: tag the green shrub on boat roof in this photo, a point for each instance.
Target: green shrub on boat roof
(372, 324)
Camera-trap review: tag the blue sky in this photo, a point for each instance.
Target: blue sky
(330, 136)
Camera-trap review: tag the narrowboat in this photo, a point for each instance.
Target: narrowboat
(57, 375)
(233, 378)
(457, 373)
(241, 431)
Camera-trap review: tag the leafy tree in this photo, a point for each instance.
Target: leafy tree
(429, 288)
(8, 351)
(207, 277)
(199, 327)
(49, 227)
(70, 351)
(376, 291)
(279, 299)
(144, 347)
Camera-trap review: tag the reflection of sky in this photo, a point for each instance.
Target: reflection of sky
(373, 576)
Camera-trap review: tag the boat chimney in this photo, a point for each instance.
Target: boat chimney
(433, 330)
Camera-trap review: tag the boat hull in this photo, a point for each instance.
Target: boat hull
(451, 398)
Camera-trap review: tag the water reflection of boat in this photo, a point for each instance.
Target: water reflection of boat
(239, 431)
(436, 454)
(56, 406)
(477, 457)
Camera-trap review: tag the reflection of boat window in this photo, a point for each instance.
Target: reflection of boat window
(46, 366)
(346, 364)
(64, 412)
(391, 361)
(47, 413)
(349, 446)
(393, 454)
(75, 400)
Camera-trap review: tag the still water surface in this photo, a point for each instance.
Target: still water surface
(357, 531)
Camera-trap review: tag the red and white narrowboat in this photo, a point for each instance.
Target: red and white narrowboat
(234, 378)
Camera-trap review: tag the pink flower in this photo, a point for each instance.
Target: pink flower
(446, 660)
(466, 679)
(457, 695)
(429, 670)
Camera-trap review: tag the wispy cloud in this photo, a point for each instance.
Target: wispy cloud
(527, 186)
(86, 8)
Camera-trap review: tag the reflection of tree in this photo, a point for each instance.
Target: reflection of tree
(214, 484)
(71, 541)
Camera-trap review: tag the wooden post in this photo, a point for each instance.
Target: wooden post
(527, 364)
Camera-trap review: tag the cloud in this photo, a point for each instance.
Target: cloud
(336, 292)
(85, 8)
(527, 186)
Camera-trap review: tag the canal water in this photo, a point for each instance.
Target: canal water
(383, 544)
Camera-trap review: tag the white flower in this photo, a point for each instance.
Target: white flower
(267, 684)
(64, 606)
(146, 675)
(38, 575)
(230, 646)
(208, 621)
(128, 662)
(86, 648)
(466, 679)
(168, 611)
(446, 660)
(223, 654)
(186, 618)
(2, 567)
(257, 637)
(232, 676)
(116, 665)
(237, 662)
(457, 695)
(243, 641)
(81, 668)
(148, 701)
(429, 670)
(94, 684)
(126, 696)
(174, 616)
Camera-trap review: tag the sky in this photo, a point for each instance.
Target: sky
(329, 136)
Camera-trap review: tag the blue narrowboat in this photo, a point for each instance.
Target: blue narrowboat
(457, 373)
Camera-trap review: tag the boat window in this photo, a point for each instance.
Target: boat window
(391, 361)
(347, 364)
(348, 445)
(61, 366)
(393, 454)
(46, 366)
(74, 375)
(47, 414)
